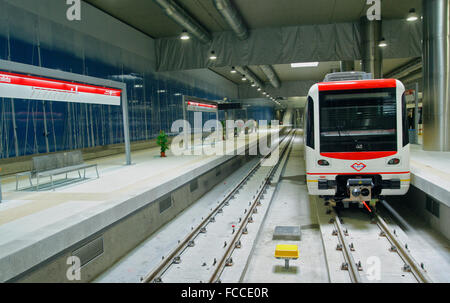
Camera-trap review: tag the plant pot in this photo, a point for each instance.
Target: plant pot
(163, 154)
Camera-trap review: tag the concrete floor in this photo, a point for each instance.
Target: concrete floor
(35, 215)
(290, 206)
(148, 254)
(368, 244)
(293, 206)
(196, 262)
(425, 244)
(28, 217)
(319, 260)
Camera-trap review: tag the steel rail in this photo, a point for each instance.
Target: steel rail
(418, 272)
(169, 259)
(221, 265)
(352, 267)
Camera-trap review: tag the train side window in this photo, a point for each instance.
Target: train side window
(405, 131)
(310, 124)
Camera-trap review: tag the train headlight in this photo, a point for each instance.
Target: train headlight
(356, 192)
(365, 192)
(323, 163)
(394, 161)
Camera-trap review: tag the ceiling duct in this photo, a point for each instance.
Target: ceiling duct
(180, 16)
(413, 77)
(406, 69)
(232, 17)
(271, 75)
(250, 75)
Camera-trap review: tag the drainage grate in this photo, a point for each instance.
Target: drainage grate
(194, 185)
(165, 204)
(287, 233)
(89, 251)
(432, 206)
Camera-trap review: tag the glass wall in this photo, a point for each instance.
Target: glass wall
(33, 126)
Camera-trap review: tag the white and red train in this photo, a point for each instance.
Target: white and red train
(356, 140)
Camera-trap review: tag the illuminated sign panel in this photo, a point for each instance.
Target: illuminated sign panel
(28, 87)
(200, 107)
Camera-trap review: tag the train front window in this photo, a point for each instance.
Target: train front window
(358, 120)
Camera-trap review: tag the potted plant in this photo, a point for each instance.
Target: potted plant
(162, 141)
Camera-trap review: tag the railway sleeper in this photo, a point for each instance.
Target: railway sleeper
(406, 268)
(229, 261)
(359, 266)
(352, 247)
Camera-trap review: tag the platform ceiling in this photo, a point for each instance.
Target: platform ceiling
(147, 17)
(286, 73)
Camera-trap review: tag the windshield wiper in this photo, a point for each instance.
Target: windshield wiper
(339, 129)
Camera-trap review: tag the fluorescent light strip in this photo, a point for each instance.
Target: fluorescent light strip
(305, 64)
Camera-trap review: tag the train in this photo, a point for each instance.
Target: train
(356, 143)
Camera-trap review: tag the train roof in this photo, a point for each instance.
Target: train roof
(357, 84)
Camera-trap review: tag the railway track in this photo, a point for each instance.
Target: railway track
(396, 248)
(257, 180)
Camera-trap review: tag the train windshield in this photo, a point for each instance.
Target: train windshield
(358, 120)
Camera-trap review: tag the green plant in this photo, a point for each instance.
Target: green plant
(162, 141)
(224, 129)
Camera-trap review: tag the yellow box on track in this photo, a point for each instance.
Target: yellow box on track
(285, 251)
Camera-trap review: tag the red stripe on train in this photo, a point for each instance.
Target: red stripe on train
(359, 155)
(358, 173)
(358, 84)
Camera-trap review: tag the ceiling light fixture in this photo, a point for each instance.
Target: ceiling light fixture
(233, 71)
(382, 43)
(253, 84)
(412, 16)
(243, 78)
(259, 89)
(212, 56)
(184, 35)
(304, 64)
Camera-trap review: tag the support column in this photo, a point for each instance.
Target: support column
(371, 53)
(126, 126)
(416, 112)
(436, 78)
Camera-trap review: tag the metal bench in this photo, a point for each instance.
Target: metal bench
(56, 164)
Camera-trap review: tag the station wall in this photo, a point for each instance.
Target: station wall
(38, 33)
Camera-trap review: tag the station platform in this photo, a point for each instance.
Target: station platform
(430, 172)
(429, 197)
(39, 230)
